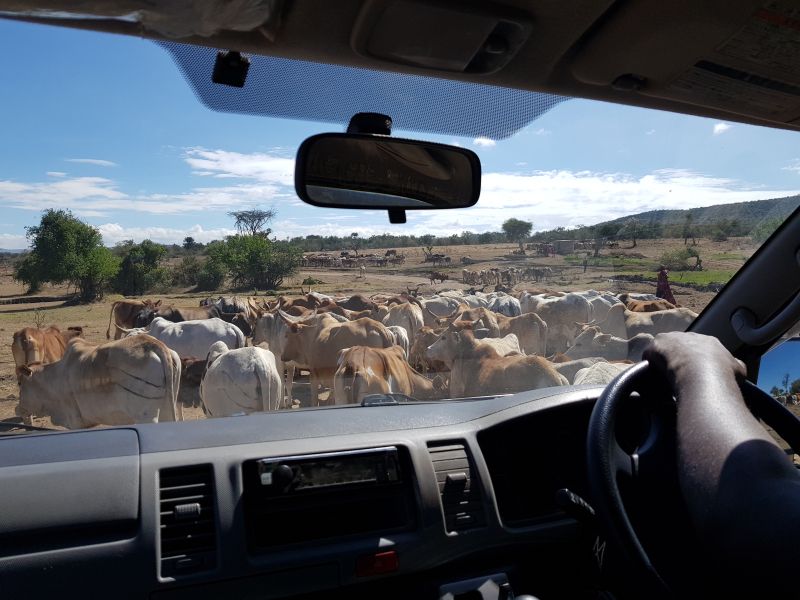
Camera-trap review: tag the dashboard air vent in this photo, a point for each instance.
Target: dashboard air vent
(188, 529)
(458, 488)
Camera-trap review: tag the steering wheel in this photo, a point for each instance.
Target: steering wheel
(607, 460)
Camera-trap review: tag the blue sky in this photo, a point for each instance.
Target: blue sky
(107, 127)
(777, 363)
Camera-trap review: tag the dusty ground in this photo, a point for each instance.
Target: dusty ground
(723, 256)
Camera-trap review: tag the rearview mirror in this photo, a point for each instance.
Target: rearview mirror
(345, 170)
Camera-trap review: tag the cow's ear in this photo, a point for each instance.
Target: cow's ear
(603, 338)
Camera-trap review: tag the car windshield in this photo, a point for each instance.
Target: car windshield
(138, 202)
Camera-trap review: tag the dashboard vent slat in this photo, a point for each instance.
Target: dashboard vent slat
(458, 488)
(188, 545)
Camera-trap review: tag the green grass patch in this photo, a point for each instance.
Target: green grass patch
(694, 277)
(609, 261)
(728, 256)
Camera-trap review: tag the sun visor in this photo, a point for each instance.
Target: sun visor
(173, 19)
(740, 56)
(456, 37)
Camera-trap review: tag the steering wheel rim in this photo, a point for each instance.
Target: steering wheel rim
(606, 459)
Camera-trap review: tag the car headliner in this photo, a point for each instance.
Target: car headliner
(728, 59)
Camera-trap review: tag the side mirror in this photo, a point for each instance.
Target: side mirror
(779, 372)
(351, 170)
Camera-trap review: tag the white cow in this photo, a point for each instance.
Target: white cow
(243, 380)
(271, 330)
(592, 342)
(193, 338)
(623, 323)
(600, 373)
(505, 346)
(406, 315)
(400, 337)
(505, 305)
(570, 368)
(560, 311)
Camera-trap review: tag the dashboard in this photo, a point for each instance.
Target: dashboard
(384, 501)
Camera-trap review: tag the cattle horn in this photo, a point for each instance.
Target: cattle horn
(288, 318)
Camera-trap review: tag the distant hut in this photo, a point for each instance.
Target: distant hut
(564, 246)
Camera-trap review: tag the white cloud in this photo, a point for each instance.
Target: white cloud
(114, 232)
(720, 128)
(793, 166)
(547, 198)
(650, 132)
(11, 241)
(265, 168)
(484, 142)
(541, 131)
(98, 162)
(566, 198)
(265, 178)
(79, 193)
(56, 174)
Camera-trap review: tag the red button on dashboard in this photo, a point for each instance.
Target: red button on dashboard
(377, 564)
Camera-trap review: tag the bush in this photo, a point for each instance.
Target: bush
(210, 276)
(65, 249)
(255, 262)
(678, 260)
(188, 270)
(765, 229)
(140, 272)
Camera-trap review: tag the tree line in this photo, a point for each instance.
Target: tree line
(65, 250)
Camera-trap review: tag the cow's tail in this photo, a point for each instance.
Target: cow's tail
(110, 318)
(344, 382)
(265, 389)
(543, 337)
(171, 410)
(241, 341)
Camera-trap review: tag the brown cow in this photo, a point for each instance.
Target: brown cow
(417, 356)
(31, 345)
(530, 329)
(358, 302)
(315, 344)
(192, 370)
(177, 314)
(132, 380)
(438, 275)
(479, 370)
(364, 370)
(648, 305)
(124, 314)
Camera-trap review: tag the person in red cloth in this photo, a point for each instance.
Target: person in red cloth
(662, 287)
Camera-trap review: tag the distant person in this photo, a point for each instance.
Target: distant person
(585, 262)
(662, 287)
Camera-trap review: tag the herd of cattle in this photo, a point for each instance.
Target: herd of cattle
(238, 355)
(505, 277)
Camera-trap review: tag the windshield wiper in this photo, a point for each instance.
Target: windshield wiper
(15, 426)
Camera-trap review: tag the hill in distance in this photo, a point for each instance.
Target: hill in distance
(748, 214)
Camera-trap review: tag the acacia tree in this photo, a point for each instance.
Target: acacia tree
(253, 222)
(517, 230)
(64, 249)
